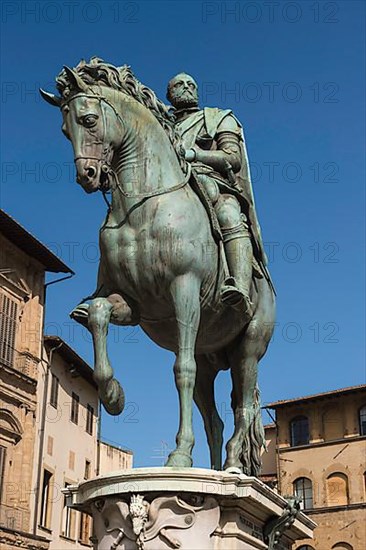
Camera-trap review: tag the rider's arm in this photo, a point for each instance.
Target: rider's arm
(227, 155)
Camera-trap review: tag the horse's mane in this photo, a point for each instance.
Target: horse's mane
(123, 79)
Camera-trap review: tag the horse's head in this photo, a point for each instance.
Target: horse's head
(92, 125)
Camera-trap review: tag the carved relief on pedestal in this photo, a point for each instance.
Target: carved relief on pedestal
(169, 522)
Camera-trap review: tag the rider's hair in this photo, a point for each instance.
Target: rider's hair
(123, 79)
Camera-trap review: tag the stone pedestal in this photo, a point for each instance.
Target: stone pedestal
(189, 509)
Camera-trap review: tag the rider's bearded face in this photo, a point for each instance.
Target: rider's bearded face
(182, 92)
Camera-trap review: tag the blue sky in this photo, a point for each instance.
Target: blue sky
(293, 73)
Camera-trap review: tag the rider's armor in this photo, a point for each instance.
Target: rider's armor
(214, 142)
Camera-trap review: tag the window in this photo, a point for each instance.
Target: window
(305, 547)
(54, 391)
(45, 513)
(299, 430)
(303, 488)
(8, 325)
(87, 469)
(2, 467)
(75, 408)
(363, 420)
(85, 528)
(342, 546)
(68, 520)
(337, 489)
(89, 419)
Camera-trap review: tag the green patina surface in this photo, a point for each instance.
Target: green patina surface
(181, 249)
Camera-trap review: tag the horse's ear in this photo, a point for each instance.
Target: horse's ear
(75, 80)
(52, 99)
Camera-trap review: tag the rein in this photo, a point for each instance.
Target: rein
(156, 193)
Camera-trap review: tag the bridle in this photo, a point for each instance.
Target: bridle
(105, 166)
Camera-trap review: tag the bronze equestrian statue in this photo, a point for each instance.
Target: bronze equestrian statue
(181, 252)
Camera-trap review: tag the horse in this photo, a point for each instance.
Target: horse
(160, 266)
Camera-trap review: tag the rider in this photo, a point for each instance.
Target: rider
(214, 144)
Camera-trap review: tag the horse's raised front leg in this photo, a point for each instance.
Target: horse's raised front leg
(101, 312)
(185, 291)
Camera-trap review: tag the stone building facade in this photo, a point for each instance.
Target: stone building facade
(319, 450)
(67, 450)
(113, 458)
(49, 407)
(23, 264)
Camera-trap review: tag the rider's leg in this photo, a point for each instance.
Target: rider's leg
(239, 253)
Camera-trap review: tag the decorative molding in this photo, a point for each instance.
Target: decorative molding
(161, 523)
(17, 284)
(10, 425)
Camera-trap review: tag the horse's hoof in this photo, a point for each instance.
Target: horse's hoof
(233, 467)
(234, 470)
(114, 401)
(177, 459)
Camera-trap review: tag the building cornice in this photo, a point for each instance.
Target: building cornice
(16, 234)
(311, 446)
(315, 397)
(327, 509)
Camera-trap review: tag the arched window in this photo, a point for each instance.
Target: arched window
(363, 420)
(305, 547)
(299, 430)
(337, 489)
(303, 488)
(341, 546)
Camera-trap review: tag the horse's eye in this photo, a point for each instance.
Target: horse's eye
(90, 120)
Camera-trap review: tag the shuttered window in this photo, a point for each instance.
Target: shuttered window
(89, 419)
(54, 391)
(74, 417)
(8, 323)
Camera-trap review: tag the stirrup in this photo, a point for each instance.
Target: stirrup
(236, 298)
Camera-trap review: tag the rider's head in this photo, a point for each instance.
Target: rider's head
(182, 91)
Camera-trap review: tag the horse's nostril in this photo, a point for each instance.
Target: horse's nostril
(91, 171)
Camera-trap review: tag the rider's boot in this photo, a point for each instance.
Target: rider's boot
(239, 256)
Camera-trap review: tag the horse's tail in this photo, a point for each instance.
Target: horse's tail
(254, 441)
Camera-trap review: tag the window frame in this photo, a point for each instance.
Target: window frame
(85, 528)
(45, 511)
(9, 322)
(299, 440)
(362, 419)
(55, 383)
(304, 493)
(87, 469)
(74, 412)
(89, 419)
(68, 519)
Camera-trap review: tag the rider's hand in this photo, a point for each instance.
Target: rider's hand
(190, 155)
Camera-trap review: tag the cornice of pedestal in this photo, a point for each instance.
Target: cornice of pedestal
(230, 489)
